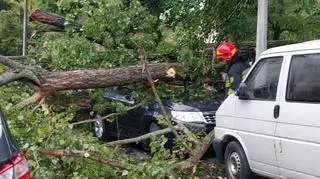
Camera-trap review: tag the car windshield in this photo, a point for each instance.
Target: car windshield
(7, 146)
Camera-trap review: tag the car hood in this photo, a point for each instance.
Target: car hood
(194, 106)
(204, 105)
(182, 107)
(8, 148)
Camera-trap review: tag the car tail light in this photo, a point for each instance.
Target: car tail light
(17, 168)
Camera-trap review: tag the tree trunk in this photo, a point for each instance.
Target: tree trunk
(84, 79)
(276, 33)
(45, 83)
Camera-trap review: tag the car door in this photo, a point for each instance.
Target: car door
(127, 123)
(132, 121)
(255, 122)
(298, 127)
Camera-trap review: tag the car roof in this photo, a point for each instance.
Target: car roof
(309, 45)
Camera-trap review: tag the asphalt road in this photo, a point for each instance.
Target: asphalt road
(139, 153)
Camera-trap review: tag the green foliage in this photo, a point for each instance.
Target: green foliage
(55, 51)
(294, 21)
(45, 128)
(36, 130)
(10, 33)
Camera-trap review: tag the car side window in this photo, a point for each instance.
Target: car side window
(304, 78)
(262, 82)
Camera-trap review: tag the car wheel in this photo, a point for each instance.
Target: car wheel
(99, 128)
(236, 163)
(146, 143)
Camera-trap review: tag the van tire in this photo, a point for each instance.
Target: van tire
(236, 163)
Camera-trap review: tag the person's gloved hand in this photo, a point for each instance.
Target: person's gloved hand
(224, 76)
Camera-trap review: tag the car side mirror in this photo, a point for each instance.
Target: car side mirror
(243, 91)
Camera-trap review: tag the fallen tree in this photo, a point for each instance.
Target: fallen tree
(45, 83)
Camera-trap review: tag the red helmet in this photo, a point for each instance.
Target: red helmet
(226, 50)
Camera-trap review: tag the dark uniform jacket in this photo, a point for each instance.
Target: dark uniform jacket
(236, 66)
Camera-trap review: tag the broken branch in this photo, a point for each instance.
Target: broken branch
(46, 18)
(82, 154)
(194, 160)
(144, 62)
(141, 138)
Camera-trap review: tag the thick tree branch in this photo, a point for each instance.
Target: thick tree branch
(17, 75)
(45, 83)
(10, 63)
(58, 23)
(46, 18)
(21, 58)
(82, 154)
(83, 79)
(20, 72)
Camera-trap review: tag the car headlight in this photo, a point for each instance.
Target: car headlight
(186, 116)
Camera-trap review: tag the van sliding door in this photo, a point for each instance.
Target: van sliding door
(298, 127)
(255, 117)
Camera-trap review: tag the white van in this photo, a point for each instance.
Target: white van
(272, 125)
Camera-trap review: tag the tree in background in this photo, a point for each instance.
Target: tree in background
(292, 20)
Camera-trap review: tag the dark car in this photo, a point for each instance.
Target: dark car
(13, 164)
(196, 115)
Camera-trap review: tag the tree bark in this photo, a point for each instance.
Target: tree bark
(47, 18)
(45, 83)
(100, 78)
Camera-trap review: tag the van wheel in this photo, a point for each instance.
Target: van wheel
(236, 163)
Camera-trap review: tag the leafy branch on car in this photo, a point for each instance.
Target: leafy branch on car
(107, 116)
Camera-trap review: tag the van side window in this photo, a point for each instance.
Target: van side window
(263, 81)
(304, 78)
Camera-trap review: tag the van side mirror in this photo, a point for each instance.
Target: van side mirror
(243, 91)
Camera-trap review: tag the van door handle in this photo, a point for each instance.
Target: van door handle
(276, 111)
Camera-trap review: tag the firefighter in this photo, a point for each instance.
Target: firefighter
(237, 65)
